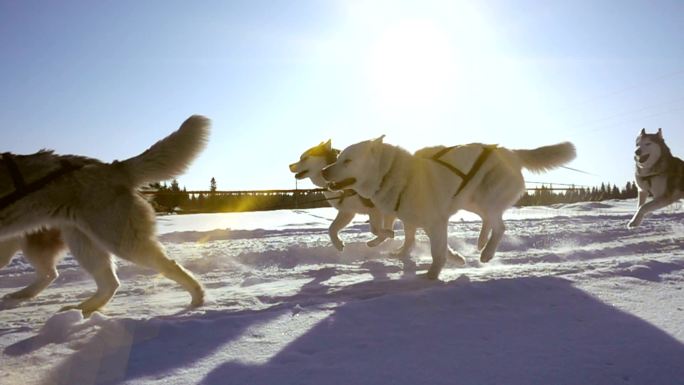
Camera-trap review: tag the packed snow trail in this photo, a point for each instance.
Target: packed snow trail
(572, 297)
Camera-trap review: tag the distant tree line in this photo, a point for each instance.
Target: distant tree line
(544, 195)
(171, 198)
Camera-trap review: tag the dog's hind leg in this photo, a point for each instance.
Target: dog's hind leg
(342, 219)
(484, 235)
(438, 247)
(498, 228)
(130, 234)
(99, 264)
(42, 249)
(150, 253)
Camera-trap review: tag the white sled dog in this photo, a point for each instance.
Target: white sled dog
(424, 191)
(658, 173)
(95, 209)
(347, 202)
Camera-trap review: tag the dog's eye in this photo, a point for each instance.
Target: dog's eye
(304, 158)
(346, 161)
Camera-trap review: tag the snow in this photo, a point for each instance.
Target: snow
(572, 297)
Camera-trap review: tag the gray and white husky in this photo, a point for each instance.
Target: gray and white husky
(425, 189)
(48, 200)
(658, 173)
(348, 203)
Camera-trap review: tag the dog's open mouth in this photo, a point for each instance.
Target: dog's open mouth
(300, 175)
(643, 158)
(341, 184)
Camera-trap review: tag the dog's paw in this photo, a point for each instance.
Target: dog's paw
(197, 300)
(338, 244)
(375, 241)
(457, 258)
(20, 295)
(484, 258)
(433, 273)
(86, 311)
(635, 222)
(71, 307)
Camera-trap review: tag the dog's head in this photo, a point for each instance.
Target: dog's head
(356, 167)
(313, 160)
(649, 148)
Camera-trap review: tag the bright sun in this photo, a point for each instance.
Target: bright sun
(412, 66)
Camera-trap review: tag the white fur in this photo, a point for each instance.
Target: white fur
(425, 189)
(380, 225)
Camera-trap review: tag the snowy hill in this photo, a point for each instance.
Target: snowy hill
(572, 297)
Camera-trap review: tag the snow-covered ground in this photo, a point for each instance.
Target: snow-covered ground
(572, 297)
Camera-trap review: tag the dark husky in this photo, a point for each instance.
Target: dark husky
(94, 207)
(658, 173)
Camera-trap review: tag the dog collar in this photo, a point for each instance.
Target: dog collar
(350, 193)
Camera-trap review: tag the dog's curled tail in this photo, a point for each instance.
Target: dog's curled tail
(547, 157)
(170, 156)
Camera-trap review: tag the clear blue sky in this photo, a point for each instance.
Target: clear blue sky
(108, 78)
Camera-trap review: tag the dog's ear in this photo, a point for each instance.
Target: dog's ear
(379, 139)
(643, 131)
(328, 144)
(660, 133)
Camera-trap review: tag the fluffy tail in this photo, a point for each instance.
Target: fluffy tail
(546, 158)
(170, 156)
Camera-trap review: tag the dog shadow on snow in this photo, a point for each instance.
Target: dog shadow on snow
(524, 330)
(405, 331)
(119, 350)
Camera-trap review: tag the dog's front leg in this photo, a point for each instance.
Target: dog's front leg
(409, 240)
(342, 219)
(646, 208)
(641, 199)
(381, 226)
(42, 249)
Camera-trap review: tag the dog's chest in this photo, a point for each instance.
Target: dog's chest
(655, 185)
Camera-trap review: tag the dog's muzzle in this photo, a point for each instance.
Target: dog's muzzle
(341, 185)
(298, 175)
(642, 158)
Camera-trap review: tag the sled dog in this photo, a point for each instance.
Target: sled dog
(347, 202)
(48, 201)
(424, 190)
(658, 173)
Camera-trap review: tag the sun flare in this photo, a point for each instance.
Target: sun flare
(412, 65)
